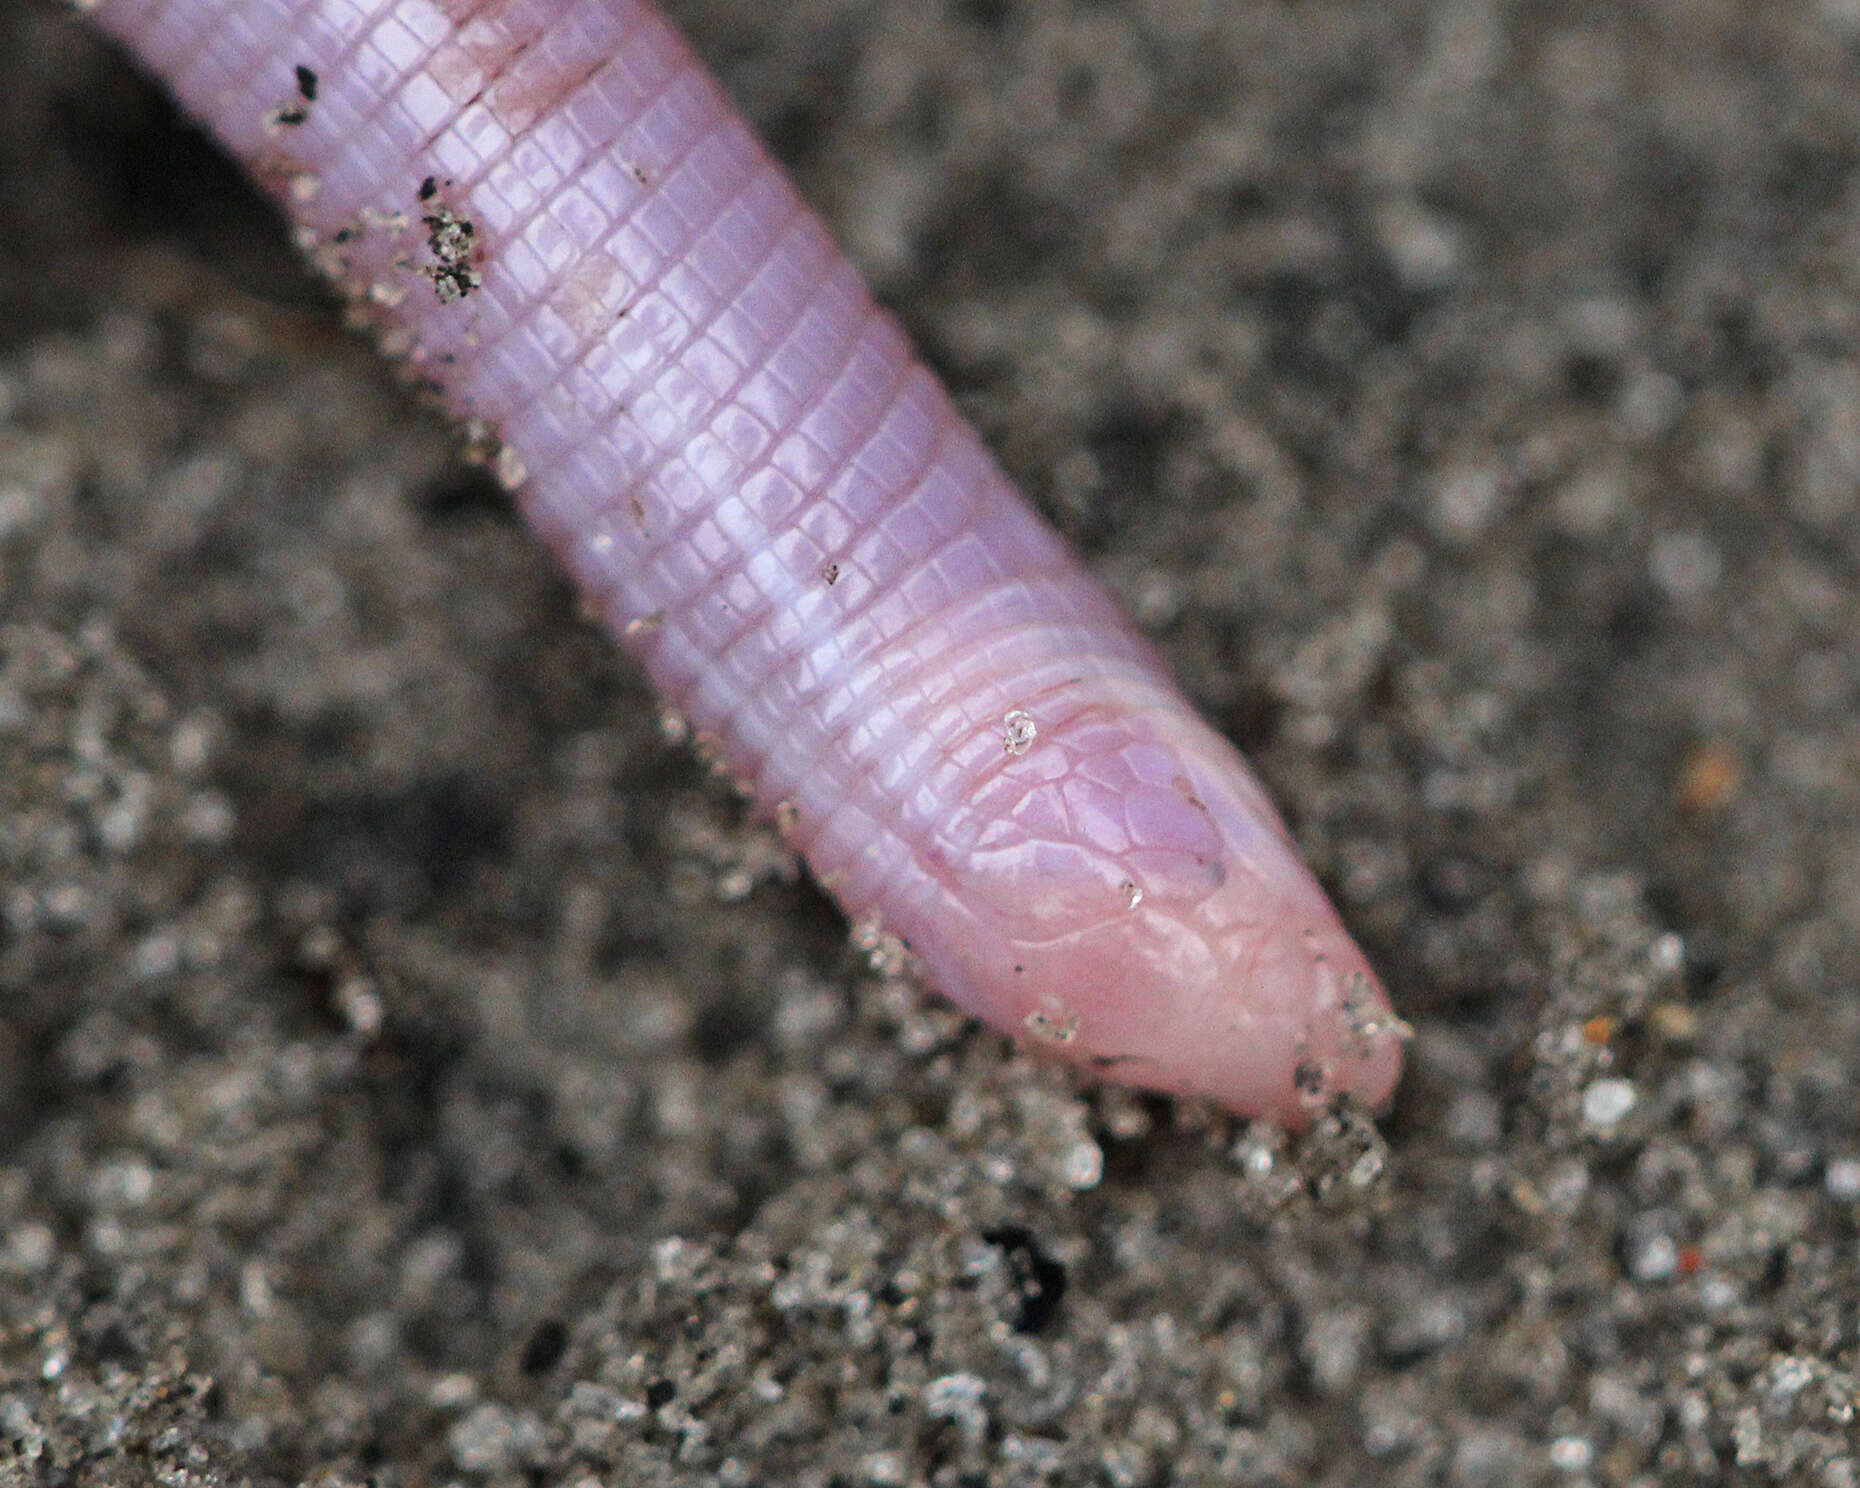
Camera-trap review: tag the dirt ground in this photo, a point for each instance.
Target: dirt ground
(413, 1070)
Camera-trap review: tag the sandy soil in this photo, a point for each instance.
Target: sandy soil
(414, 1071)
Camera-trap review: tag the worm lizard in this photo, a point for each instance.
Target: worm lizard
(551, 213)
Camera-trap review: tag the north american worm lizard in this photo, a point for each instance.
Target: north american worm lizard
(549, 211)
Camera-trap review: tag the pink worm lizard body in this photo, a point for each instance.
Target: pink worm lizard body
(550, 209)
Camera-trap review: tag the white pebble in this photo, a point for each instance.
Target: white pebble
(1606, 1101)
(1843, 1178)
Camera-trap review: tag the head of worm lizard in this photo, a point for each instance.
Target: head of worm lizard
(1132, 901)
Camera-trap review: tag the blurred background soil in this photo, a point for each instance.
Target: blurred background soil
(414, 1070)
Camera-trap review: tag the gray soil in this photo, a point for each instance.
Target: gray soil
(414, 1070)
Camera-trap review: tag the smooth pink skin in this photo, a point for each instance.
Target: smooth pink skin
(781, 514)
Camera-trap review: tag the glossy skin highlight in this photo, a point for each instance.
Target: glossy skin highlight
(550, 211)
